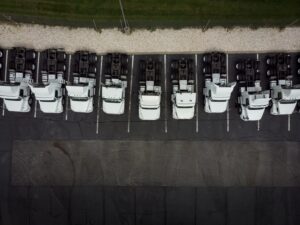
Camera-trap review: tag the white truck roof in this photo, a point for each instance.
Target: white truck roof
(185, 99)
(77, 90)
(10, 91)
(150, 101)
(222, 92)
(44, 92)
(111, 92)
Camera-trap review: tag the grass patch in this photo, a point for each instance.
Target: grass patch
(154, 13)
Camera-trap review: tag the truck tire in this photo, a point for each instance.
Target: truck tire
(61, 56)
(93, 58)
(206, 58)
(1, 54)
(30, 55)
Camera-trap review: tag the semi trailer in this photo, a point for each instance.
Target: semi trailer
(115, 83)
(252, 100)
(81, 89)
(149, 89)
(217, 90)
(183, 96)
(283, 92)
(49, 91)
(15, 89)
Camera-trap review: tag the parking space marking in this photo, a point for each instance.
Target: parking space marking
(289, 122)
(37, 81)
(5, 74)
(197, 104)
(67, 98)
(258, 122)
(99, 96)
(130, 93)
(227, 111)
(165, 95)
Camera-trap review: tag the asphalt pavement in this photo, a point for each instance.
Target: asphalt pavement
(261, 184)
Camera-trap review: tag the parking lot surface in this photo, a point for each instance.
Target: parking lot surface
(221, 170)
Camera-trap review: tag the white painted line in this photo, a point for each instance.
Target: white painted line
(37, 81)
(166, 94)
(99, 96)
(67, 98)
(5, 74)
(130, 93)
(258, 122)
(197, 95)
(227, 111)
(289, 122)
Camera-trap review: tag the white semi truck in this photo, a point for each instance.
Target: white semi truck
(115, 84)
(284, 93)
(49, 91)
(252, 100)
(15, 89)
(183, 89)
(217, 90)
(81, 90)
(149, 89)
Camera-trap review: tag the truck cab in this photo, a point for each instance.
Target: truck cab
(183, 89)
(252, 100)
(81, 90)
(15, 90)
(49, 91)
(149, 89)
(217, 90)
(115, 84)
(284, 93)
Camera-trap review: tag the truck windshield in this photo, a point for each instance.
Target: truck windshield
(79, 99)
(111, 100)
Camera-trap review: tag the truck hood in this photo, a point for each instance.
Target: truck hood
(183, 113)
(10, 91)
(149, 114)
(222, 92)
(112, 92)
(150, 101)
(82, 106)
(51, 107)
(44, 92)
(20, 105)
(185, 99)
(77, 91)
(283, 108)
(215, 106)
(258, 102)
(115, 108)
(291, 94)
(252, 114)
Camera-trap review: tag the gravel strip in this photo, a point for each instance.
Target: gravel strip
(158, 41)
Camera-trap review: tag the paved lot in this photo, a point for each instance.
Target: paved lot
(204, 126)
(273, 197)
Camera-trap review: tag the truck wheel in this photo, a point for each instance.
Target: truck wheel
(124, 59)
(93, 58)
(30, 55)
(61, 56)
(1, 54)
(30, 101)
(142, 65)
(206, 58)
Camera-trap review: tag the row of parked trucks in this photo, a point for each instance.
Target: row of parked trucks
(49, 86)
